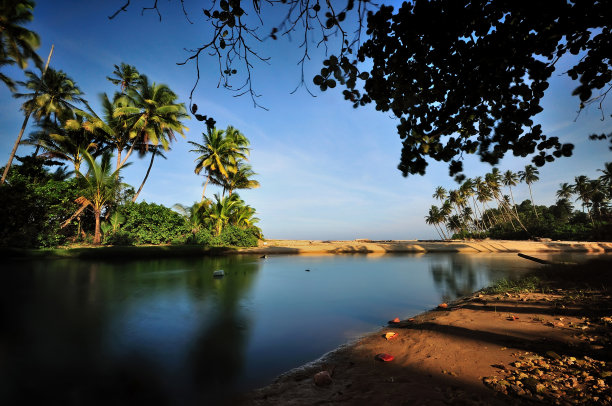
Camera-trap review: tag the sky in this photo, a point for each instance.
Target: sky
(327, 171)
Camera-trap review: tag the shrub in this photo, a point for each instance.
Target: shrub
(119, 238)
(150, 223)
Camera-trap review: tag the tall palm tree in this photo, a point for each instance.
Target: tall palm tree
(510, 179)
(432, 218)
(99, 187)
(153, 151)
(584, 189)
(529, 176)
(217, 154)
(153, 116)
(53, 94)
(17, 43)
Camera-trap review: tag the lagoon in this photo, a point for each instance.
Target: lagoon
(165, 331)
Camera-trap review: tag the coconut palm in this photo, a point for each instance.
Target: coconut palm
(240, 179)
(510, 179)
(99, 187)
(432, 218)
(53, 94)
(17, 43)
(606, 178)
(220, 212)
(153, 151)
(565, 191)
(65, 141)
(152, 115)
(217, 154)
(126, 76)
(529, 176)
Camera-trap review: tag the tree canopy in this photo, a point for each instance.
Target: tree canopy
(461, 76)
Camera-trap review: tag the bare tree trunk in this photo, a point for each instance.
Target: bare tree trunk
(532, 202)
(205, 184)
(23, 127)
(146, 176)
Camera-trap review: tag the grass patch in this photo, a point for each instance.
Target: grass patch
(526, 284)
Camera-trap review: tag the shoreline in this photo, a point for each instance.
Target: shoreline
(312, 247)
(305, 247)
(493, 348)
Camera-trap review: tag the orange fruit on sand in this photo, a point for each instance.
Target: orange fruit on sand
(442, 306)
(395, 320)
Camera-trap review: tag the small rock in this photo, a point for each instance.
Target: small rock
(322, 378)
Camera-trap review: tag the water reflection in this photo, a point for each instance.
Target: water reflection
(100, 332)
(167, 332)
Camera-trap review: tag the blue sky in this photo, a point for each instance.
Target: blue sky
(327, 171)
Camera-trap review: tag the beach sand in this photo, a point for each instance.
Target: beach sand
(317, 247)
(485, 349)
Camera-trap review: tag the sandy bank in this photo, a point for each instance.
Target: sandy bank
(546, 347)
(419, 246)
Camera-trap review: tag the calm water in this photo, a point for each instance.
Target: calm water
(167, 332)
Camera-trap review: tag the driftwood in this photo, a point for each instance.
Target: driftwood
(543, 261)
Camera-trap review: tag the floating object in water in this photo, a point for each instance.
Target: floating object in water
(395, 320)
(385, 357)
(308, 270)
(219, 274)
(322, 378)
(264, 256)
(442, 306)
(390, 335)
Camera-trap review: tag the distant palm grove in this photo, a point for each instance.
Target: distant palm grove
(70, 189)
(484, 207)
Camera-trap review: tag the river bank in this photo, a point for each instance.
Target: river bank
(546, 342)
(422, 246)
(312, 247)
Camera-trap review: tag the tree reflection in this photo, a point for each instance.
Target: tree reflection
(67, 331)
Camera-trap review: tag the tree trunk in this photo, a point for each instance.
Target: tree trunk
(97, 236)
(23, 127)
(532, 202)
(205, 184)
(146, 176)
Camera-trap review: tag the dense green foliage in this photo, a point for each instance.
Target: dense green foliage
(150, 223)
(33, 206)
(479, 209)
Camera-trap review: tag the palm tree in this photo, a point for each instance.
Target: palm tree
(439, 194)
(220, 212)
(606, 178)
(433, 217)
(65, 141)
(240, 179)
(17, 44)
(53, 94)
(99, 187)
(511, 179)
(565, 191)
(215, 154)
(529, 176)
(127, 76)
(152, 115)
